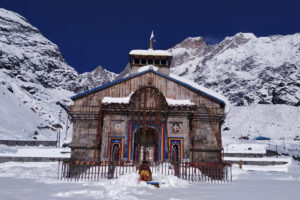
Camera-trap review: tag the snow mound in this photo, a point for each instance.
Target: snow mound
(169, 181)
(131, 180)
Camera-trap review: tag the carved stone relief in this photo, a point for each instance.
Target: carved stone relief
(118, 126)
(175, 127)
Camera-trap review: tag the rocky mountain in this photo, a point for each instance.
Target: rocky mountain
(98, 76)
(124, 72)
(28, 56)
(35, 81)
(245, 68)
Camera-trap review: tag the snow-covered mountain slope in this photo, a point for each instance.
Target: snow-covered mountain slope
(35, 81)
(273, 121)
(31, 113)
(28, 56)
(98, 76)
(245, 68)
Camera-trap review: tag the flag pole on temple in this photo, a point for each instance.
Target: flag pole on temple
(151, 38)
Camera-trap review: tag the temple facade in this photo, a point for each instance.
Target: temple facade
(150, 115)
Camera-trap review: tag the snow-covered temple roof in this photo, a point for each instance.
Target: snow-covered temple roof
(150, 68)
(149, 52)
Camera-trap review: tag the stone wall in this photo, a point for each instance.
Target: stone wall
(205, 145)
(113, 126)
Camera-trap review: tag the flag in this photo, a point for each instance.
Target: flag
(152, 36)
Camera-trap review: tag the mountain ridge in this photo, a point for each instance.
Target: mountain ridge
(244, 68)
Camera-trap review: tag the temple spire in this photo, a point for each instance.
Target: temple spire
(151, 38)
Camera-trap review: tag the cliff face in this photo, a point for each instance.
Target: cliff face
(28, 56)
(35, 81)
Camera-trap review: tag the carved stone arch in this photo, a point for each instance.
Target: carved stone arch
(154, 98)
(148, 108)
(148, 105)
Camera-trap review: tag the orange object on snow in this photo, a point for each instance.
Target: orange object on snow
(145, 172)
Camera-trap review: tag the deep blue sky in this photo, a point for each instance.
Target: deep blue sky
(97, 32)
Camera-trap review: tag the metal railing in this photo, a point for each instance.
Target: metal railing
(193, 172)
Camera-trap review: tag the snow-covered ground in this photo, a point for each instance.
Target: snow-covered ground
(249, 148)
(41, 151)
(280, 123)
(39, 181)
(273, 121)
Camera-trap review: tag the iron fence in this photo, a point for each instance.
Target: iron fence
(193, 172)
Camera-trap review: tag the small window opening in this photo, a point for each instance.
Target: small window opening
(150, 61)
(137, 61)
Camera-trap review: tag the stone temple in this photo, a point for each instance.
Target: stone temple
(150, 114)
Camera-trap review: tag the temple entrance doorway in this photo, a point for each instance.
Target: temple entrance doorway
(146, 144)
(115, 152)
(175, 156)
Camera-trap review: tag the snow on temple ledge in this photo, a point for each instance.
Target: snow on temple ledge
(121, 100)
(125, 100)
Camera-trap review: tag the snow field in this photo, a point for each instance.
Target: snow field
(39, 181)
(28, 151)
